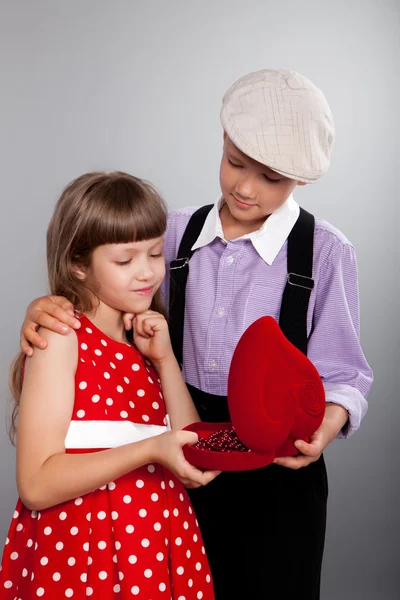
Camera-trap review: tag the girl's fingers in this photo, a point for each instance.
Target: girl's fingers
(127, 319)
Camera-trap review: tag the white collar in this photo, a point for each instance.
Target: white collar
(268, 240)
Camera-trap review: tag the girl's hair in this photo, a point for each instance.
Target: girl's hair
(95, 209)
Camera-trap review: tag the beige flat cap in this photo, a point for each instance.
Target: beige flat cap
(282, 120)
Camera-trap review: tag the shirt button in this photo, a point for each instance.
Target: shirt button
(212, 364)
(229, 260)
(221, 311)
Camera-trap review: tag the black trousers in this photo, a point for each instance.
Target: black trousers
(263, 530)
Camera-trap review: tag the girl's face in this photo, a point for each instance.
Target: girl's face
(251, 190)
(128, 275)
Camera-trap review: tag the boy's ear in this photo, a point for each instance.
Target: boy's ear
(224, 135)
(301, 183)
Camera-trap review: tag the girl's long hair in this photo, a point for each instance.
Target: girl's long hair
(94, 209)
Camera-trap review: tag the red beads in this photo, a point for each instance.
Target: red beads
(222, 441)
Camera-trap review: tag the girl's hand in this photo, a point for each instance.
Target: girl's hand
(169, 454)
(51, 312)
(151, 336)
(335, 418)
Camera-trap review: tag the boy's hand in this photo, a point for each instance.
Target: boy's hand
(335, 418)
(52, 312)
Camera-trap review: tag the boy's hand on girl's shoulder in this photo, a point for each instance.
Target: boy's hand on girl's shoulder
(334, 420)
(51, 312)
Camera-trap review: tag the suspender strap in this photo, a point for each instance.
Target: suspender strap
(296, 296)
(179, 271)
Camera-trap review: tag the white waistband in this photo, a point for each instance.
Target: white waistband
(109, 434)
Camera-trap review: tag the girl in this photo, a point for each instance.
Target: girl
(102, 509)
(255, 253)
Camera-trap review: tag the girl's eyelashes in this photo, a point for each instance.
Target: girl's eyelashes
(159, 255)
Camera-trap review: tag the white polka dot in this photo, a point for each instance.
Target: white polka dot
(29, 543)
(129, 529)
(94, 364)
(103, 342)
(106, 375)
(102, 575)
(154, 497)
(82, 385)
(155, 405)
(118, 545)
(109, 401)
(178, 541)
(195, 538)
(16, 514)
(119, 356)
(181, 497)
(120, 389)
(148, 573)
(160, 556)
(135, 590)
(114, 515)
(157, 526)
(115, 558)
(69, 593)
(182, 598)
(14, 555)
(101, 515)
(203, 550)
(176, 512)
(132, 559)
(190, 583)
(112, 365)
(188, 554)
(135, 367)
(56, 576)
(140, 393)
(88, 330)
(171, 483)
(162, 587)
(44, 561)
(190, 510)
(198, 566)
(102, 545)
(36, 545)
(126, 380)
(24, 572)
(208, 578)
(120, 576)
(180, 570)
(151, 468)
(145, 418)
(89, 591)
(89, 517)
(40, 592)
(84, 346)
(142, 513)
(83, 577)
(127, 499)
(140, 483)
(117, 588)
(145, 543)
(89, 560)
(71, 561)
(8, 585)
(47, 531)
(74, 530)
(20, 527)
(34, 514)
(150, 380)
(199, 595)
(163, 485)
(59, 546)
(123, 414)
(111, 485)
(166, 513)
(186, 525)
(98, 352)
(95, 398)
(131, 404)
(63, 516)
(78, 501)
(86, 546)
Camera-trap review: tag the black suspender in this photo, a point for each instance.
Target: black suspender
(179, 271)
(296, 296)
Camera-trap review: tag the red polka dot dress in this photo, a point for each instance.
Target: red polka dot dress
(136, 537)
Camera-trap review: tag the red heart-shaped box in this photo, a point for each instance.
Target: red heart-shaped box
(275, 396)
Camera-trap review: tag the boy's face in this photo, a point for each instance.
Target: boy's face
(251, 190)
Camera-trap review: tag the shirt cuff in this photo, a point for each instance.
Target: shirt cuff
(352, 400)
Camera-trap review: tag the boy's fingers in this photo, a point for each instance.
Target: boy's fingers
(25, 346)
(31, 336)
(61, 315)
(49, 322)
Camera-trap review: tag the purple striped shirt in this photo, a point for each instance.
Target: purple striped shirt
(233, 283)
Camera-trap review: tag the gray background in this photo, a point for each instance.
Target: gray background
(137, 86)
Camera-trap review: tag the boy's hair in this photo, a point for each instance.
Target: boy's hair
(94, 209)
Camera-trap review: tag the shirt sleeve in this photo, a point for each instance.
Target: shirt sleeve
(334, 345)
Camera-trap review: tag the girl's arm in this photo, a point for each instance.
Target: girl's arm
(151, 337)
(46, 475)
